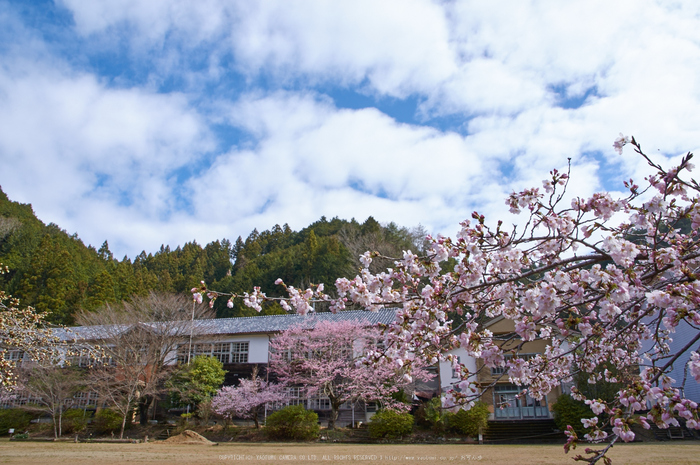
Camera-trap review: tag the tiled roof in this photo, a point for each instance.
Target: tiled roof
(245, 325)
(88, 333)
(277, 323)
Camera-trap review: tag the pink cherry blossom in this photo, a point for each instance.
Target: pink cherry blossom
(620, 142)
(604, 280)
(340, 361)
(247, 399)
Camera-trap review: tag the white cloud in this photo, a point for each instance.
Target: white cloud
(71, 146)
(320, 160)
(399, 46)
(99, 154)
(471, 57)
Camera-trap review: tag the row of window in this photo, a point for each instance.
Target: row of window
(80, 400)
(16, 356)
(225, 352)
(80, 359)
(345, 351)
(295, 396)
(85, 359)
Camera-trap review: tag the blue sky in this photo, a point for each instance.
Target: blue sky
(160, 122)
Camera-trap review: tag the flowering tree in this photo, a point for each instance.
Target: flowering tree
(247, 399)
(604, 280)
(328, 360)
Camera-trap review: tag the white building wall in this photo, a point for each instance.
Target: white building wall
(447, 380)
(258, 348)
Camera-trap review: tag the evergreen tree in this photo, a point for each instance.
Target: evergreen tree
(100, 292)
(48, 284)
(59, 274)
(104, 252)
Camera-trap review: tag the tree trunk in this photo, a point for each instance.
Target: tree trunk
(255, 419)
(144, 404)
(121, 433)
(335, 407)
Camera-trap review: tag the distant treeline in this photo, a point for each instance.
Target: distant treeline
(57, 273)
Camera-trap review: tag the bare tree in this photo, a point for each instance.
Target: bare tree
(123, 386)
(8, 226)
(52, 388)
(140, 339)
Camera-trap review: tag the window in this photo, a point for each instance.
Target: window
(201, 349)
(319, 403)
(84, 399)
(80, 359)
(380, 346)
(182, 353)
(16, 356)
(497, 371)
(106, 359)
(225, 352)
(18, 400)
(222, 352)
(295, 396)
(239, 352)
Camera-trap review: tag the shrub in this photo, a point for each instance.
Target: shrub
(14, 418)
(568, 411)
(74, 420)
(390, 424)
(468, 422)
(429, 415)
(293, 422)
(108, 421)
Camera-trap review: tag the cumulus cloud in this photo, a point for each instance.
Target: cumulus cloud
(218, 117)
(323, 160)
(91, 158)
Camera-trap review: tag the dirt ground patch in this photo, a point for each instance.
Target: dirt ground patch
(189, 437)
(30, 453)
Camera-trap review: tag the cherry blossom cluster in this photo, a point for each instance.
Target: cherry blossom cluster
(247, 399)
(667, 406)
(606, 281)
(343, 361)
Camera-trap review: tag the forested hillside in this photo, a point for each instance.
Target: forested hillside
(57, 273)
